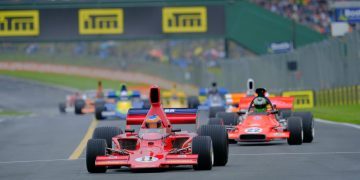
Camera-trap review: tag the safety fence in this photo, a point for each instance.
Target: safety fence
(326, 65)
(338, 96)
(349, 95)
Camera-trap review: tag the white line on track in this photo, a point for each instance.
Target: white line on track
(306, 153)
(338, 123)
(33, 161)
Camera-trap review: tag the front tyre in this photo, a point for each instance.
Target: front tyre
(193, 102)
(99, 108)
(296, 131)
(307, 124)
(94, 148)
(79, 105)
(202, 146)
(62, 107)
(219, 138)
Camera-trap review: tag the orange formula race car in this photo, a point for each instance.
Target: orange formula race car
(250, 124)
(82, 103)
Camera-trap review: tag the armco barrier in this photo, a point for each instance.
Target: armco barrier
(303, 99)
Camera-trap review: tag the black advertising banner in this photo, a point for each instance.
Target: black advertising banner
(111, 23)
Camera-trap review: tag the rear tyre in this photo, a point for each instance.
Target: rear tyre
(94, 148)
(307, 124)
(296, 131)
(106, 133)
(219, 139)
(62, 107)
(193, 102)
(79, 105)
(230, 119)
(99, 108)
(214, 110)
(202, 146)
(215, 121)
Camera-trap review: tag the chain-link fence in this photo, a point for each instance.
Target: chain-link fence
(328, 64)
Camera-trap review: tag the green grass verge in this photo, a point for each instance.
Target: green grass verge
(345, 113)
(13, 113)
(78, 82)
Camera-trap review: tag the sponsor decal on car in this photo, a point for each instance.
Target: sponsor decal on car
(253, 130)
(146, 159)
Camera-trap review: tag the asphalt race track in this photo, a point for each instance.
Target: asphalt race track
(38, 147)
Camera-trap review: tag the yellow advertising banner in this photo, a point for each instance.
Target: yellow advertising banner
(19, 23)
(101, 21)
(184, 19)
(303, 99)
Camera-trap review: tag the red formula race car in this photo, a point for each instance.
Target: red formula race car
(157, 144)
(251, 126)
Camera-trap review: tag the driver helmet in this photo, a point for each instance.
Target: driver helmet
(153, 122)
(260, 104)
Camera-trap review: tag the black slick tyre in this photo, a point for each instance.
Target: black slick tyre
(219, 138)
(202, 146)
(79, 105)
(106, 133)
(296, 131)
(193, 102)
(99, 108)
(94, 148)
(307, 124)
(215, 121)
(214, 110)
(62, 107)
(230, 119)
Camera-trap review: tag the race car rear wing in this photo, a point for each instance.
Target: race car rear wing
(234, 98)
(280, 102)
(174, 115)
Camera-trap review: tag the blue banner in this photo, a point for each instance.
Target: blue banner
(350, 15)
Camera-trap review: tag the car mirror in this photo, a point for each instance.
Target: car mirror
(176, 130)
(129, 130)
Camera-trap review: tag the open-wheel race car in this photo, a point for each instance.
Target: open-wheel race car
(157, 144)
(268, 123)
(117, 104)
(83, 102)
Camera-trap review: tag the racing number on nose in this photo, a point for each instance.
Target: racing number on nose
(184, 19)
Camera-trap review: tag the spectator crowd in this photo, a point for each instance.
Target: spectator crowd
(312, 13)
